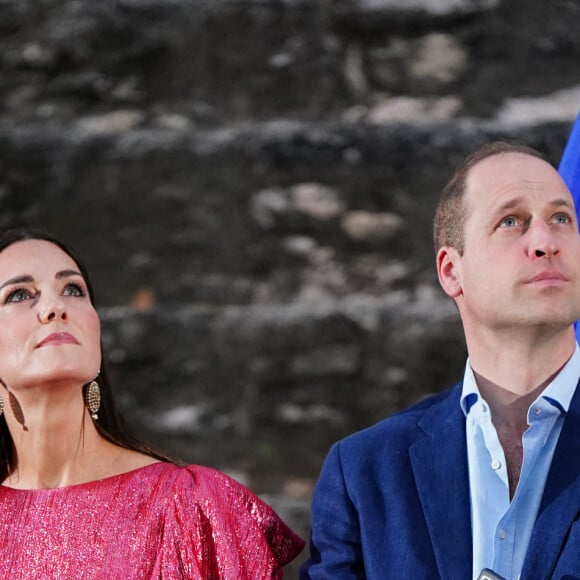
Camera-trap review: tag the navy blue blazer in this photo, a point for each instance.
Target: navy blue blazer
(393, 501)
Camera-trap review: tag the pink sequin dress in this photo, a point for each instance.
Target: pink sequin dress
(159, 521)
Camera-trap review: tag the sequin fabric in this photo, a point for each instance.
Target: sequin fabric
(160, 521)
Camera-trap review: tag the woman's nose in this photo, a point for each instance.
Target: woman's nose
(55, 310)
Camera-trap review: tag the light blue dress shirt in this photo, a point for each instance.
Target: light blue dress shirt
(502, 529)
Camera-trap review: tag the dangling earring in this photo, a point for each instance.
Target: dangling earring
(1, 406)
(93, 399)
(17, 410)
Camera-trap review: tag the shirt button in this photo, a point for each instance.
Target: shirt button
(495, 464)
(537, 410)
(502, 534)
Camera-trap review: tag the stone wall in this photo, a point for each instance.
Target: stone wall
(251, 183)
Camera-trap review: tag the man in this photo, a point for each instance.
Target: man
(486, 475)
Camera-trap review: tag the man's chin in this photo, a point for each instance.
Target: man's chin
(551, 324)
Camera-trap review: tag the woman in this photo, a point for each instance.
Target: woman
(79, 497)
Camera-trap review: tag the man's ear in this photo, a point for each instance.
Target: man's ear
(448, 260)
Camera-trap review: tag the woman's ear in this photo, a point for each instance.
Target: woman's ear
(448, 261)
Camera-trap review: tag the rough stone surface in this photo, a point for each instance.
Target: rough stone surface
(252, 184)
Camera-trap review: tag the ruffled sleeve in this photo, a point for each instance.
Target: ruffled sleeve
(220, 529)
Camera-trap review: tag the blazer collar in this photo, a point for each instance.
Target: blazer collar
(560, 504)
(439, 462)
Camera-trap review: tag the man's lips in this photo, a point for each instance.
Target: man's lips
(548, 277)
(58, 338)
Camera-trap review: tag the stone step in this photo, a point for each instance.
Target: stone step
(268, 213)
(251, 183)
(250, 386)
(193, 63)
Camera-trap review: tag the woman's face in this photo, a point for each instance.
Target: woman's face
(49, 330)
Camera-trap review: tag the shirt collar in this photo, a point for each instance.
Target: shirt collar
(558, 393)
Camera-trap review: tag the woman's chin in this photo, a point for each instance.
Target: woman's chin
(63, 378)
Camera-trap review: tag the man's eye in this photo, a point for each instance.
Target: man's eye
(508, 222)
(18, 295)
(561, 218)
(73, 289)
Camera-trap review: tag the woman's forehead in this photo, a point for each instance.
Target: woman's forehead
(40, 255)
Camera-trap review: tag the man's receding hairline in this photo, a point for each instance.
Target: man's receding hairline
(451, 211)
(505, 154)
(489, 157)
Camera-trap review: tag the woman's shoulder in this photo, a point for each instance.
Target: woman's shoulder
(228, 506)
(192, 485)
(198, 478)
(204, 486)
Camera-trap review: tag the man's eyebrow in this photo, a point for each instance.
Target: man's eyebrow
(514, 202)
(510, 204)
(563, 201)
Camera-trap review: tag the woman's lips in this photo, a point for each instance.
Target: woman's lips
(57, 338)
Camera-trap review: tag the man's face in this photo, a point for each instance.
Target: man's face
(521, 261)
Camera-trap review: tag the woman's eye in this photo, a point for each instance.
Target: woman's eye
(508, 222)
(18, 295)
(73, 289)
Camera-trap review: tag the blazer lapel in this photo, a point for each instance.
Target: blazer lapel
(561, 499)
(439, 463)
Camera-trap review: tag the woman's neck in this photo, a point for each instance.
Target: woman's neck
(58, 444)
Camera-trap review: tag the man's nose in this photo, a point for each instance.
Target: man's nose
(542, 242)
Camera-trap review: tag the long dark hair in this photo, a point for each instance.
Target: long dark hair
(110, 424)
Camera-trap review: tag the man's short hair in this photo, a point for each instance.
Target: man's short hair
(451, 213)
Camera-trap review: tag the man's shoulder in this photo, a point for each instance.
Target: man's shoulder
(378, 458)
(403, 427)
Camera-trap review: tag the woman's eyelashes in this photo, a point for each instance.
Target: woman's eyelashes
(19, 295)
(74, 289)
(22, 294)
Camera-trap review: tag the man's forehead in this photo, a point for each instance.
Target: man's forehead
(512, 179)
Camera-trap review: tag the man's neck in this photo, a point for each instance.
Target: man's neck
(510, 365)
(508, 408)
(510, 378)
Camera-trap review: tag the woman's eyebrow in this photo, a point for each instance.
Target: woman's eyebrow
(67, 273)
(27, 278)
(18, 280)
